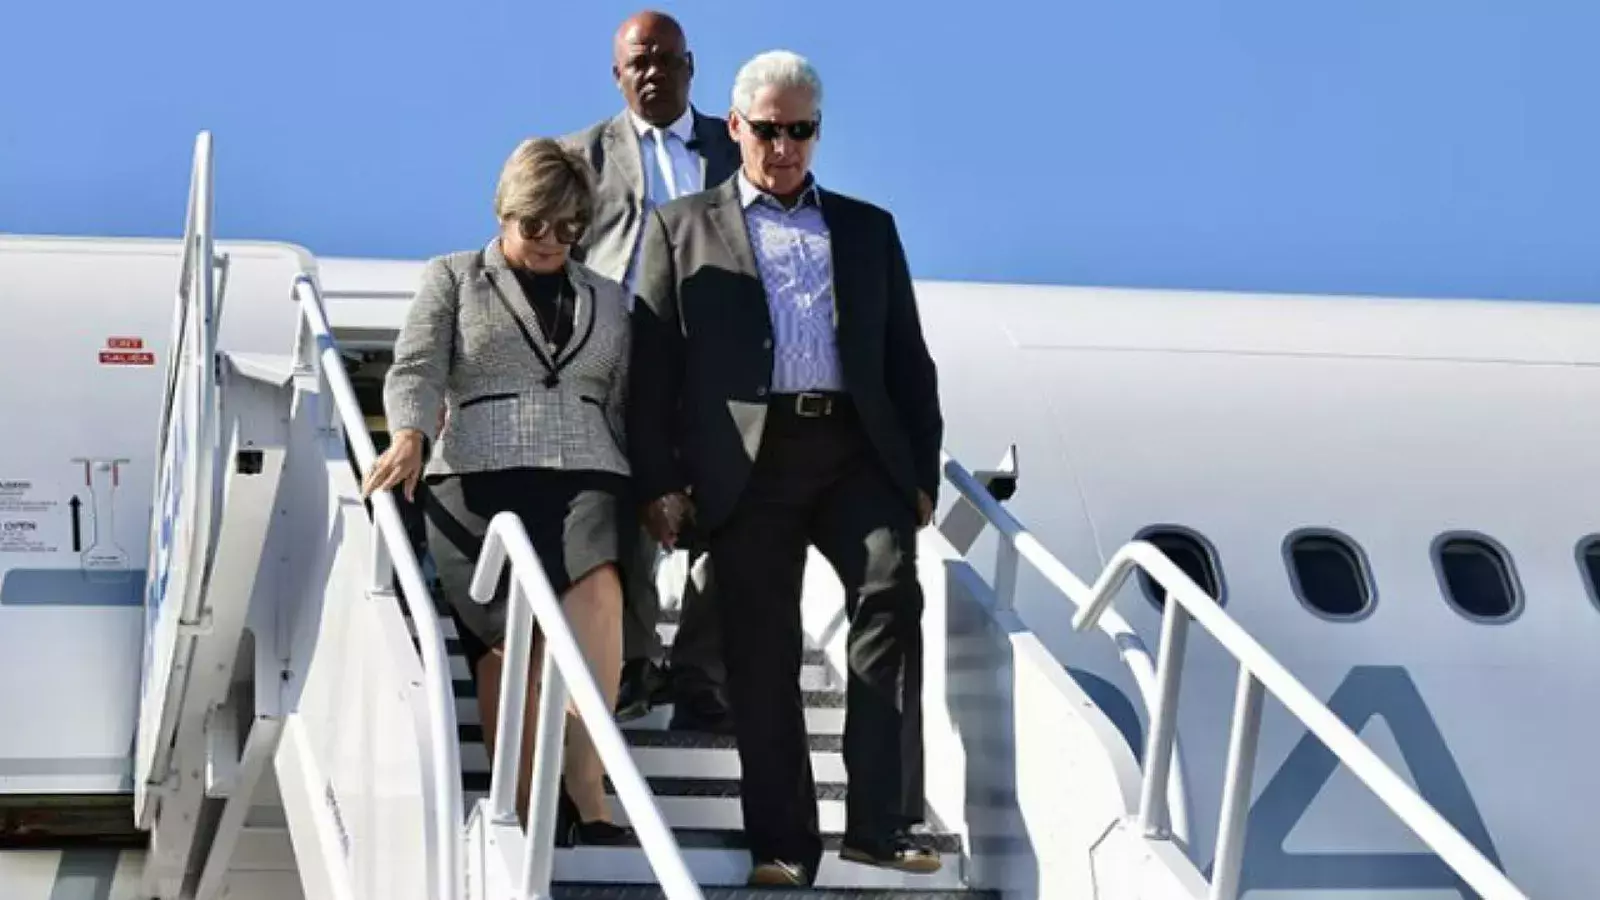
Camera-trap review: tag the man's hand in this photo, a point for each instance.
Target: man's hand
(665, 516)
(924, 509)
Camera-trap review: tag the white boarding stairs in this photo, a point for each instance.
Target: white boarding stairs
(307, 730)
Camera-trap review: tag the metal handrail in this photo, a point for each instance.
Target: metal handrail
(392, 556)
(194, 329)
(1258, 670)
(196, 220)
(562, 667)
(1016, 542)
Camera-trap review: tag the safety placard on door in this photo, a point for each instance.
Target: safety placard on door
(30, 513)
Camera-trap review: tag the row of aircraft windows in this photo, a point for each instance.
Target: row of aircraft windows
(1330, 575)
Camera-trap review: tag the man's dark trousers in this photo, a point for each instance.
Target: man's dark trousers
(817, 481)
(696, 655)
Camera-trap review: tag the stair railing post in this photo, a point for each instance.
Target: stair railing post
(539, 851)
(382, 566)
(1153, 813)
(1234, 821)
(507, 762)
(1006, 561)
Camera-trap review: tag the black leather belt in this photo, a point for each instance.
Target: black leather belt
(812, 404)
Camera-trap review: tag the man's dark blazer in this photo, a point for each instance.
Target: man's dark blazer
(703, 350)
(612, 149)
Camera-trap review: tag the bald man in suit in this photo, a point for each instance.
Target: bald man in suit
(657, 149)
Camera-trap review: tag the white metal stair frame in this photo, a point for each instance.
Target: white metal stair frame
(1258, 671)
(317, 356)
(205, 737)
(979, 507)
(179, 547)
(564, 671)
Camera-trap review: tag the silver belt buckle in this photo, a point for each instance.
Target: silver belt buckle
(823, 405)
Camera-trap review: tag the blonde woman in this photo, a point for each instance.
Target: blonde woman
(522, 353)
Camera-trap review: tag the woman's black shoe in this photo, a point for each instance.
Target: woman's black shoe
(602, 834)
(570, 831)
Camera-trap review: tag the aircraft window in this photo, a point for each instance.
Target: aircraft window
(1329, 574)
(1589, 562)
(1477, 577)
(1189, 552)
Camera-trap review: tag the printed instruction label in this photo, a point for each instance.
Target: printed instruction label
(29, 517)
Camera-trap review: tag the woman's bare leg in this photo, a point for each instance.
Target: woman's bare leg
(594, 610)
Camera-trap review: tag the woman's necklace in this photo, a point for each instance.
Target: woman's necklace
(550, 330)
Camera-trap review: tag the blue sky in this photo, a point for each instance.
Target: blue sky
(1418, 147)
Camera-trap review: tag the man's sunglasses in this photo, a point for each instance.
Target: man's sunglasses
(797, 131)
(567, 231)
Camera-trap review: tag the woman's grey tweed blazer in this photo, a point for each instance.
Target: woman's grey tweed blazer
(461, 349)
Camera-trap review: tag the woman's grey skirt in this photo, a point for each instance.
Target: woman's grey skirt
(571, 518)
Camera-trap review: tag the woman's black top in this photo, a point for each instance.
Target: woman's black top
(554, 302)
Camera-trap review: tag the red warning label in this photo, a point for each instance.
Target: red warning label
(126, 351)
(127, 358)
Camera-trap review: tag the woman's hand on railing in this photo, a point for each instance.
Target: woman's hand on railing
(400, 464)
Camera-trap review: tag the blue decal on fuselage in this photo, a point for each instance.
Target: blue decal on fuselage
(1366, 692)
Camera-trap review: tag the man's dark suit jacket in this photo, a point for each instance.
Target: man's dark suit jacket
(703, 351)
(612, 149)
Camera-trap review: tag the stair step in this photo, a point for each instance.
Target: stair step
(820, 724)
(649, 892)
(678, 740)
(729, 866)
(476, 786)
(666, 762)
(721, 813)
(810, 656)
(819, 720)
(467, 703)
(817, 679)
(723, 787)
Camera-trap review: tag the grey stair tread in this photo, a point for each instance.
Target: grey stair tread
(718, 788)
(708, 788)
(709, 839)
(652, 892)
(677, 740)
(832, 699)
(811, 656)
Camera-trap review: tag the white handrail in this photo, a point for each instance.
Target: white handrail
(192, 353)
(562, 667)
(1016, 541)
(1258, 669)
(392, 546)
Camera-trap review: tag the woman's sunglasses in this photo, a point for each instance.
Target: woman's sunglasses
(797, 131)
(567, 231)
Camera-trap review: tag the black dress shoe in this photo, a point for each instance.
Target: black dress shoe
(777, 873)
(901, 850)
(701, 709)
(642, 682)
